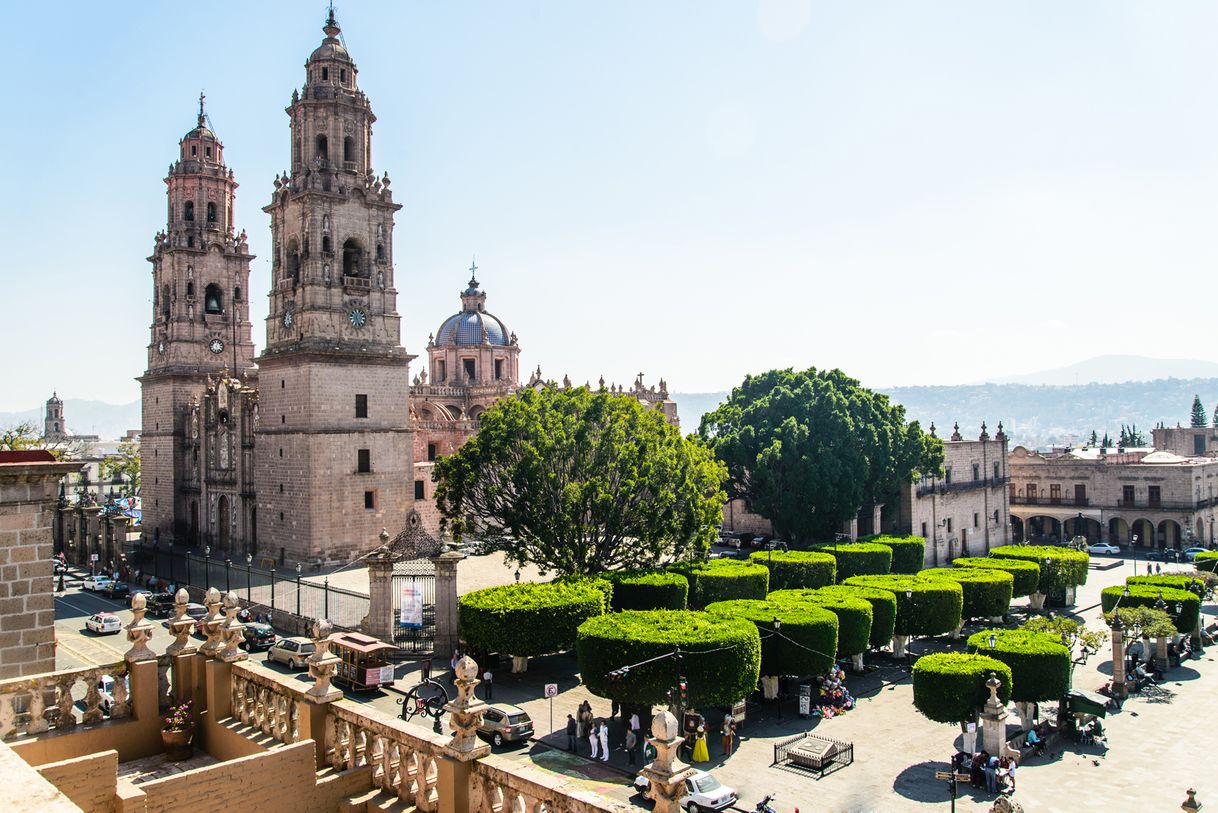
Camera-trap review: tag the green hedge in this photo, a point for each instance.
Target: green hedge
(1027, 574)
(1040, 663)
(723, 580)
(949, 687)
(527, 619)
(1178, 582)
(933, 608)
(854, 616)
(1206, 560)
(609, 642)
(649, 590)
(859, 558)
(1147, 595)
(987, 591)
(1066, 567)
(812, 632)
(908, 552)
(883, 609)
(601, 583)
(791, 570)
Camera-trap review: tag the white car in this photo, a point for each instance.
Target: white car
(95, 583)
(702, 792)
(1190, 554)
(105, 688)
(103, 623)
(1103, 547)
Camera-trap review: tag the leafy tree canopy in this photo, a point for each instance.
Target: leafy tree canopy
(807, 449)
(125, 463)
(24, 436)
(1198, 417)
(581, 482)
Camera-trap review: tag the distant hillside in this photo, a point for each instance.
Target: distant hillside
(107, 421)
(1115, 369)
(1032, 415)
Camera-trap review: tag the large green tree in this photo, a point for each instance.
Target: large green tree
(124, 463)
(1198, 418)
(581, 482)
(807, 449)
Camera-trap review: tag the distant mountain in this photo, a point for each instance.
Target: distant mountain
(1115, 369)
(84, 417)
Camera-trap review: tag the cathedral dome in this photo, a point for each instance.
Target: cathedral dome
(331, 47)
(473, 326)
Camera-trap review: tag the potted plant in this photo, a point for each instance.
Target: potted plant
(177, 732)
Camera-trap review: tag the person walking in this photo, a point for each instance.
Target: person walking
(728, 731)
(595, 739)
(572, 732)
(488, 680)
(604, 736)
(632, 743)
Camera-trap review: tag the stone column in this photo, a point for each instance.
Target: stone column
(464, 716)
(877, 515)
(854, 529)
(322, 666)
(29, 491)
(666, 775)
(994, 720)
(447, 637)
(1118, 656)
(379, 621)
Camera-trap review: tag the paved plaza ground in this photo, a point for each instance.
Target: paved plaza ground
(1156, 743)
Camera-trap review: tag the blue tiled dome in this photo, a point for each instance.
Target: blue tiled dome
(466, 329)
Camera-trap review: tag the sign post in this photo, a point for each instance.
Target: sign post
(551, 692)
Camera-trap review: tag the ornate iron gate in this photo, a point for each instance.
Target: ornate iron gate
(421, 575)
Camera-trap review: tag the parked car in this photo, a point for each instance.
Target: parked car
(105, 688)
(506, 723)
(1103, 547)
(1190, 554)
(160, 605)
(95, 583)
(1173, 555)
(114, 589)
(703, 792)
(292, 652)
(258, 637)
(193, 612)
(757, 541)
(103, 623)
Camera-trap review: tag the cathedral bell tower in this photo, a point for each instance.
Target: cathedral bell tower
(200, 319)
(334, 376)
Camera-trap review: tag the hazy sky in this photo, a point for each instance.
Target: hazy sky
(930, 192)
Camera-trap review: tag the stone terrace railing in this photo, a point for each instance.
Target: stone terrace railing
(39, 703)
(502, 786)
(403, 758)
(266, 704)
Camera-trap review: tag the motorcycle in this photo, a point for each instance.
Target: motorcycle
(764, 805)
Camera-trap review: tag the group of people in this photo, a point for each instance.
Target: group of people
(584, 726)
(995, 773)
(834, 697)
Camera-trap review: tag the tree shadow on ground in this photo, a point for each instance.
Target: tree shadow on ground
(918, 783)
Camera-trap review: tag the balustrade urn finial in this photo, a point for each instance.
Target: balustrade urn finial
(666, 775)
(212, 624)
(181, 626)
(139, 632)
(232, 631)
(322, 665)
(465, 714)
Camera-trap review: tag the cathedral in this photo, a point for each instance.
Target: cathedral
(305, 452)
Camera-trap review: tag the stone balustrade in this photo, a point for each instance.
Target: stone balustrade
(500, 785)
(266, 704)
(40, 703)
(404, 758)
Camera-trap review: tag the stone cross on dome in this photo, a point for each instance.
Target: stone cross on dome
(202, 98)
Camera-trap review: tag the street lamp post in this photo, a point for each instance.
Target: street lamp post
(298, 588)
(249, 590)
(908, 653)
(207, 565)
(272, 589)
(228, 575)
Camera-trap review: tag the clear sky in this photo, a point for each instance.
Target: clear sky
(930, 192)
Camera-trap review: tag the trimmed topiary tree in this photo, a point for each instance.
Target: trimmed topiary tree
(601, 583)
(924, 606)
(723, 580)
(949, 687)
(854, 616)
(794, 569)
(1206, 560)
(1061, 569)
(526, 619)
(987, 591)
(649, 590)
(1148, 595)
(812, 632)
(908, 552)
(609, 642)
(1025, 573)
(1039, 662)
(883, 610)
(859, 559)
(1191, 583)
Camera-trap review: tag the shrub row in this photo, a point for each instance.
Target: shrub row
(649, 590)
(949, 687)
(859, 558)
(1039, 662)
(797, 568)
(527, 619)
(883, 610)
(1060, 568)
(908, 552)
(1206, 560)
(1148, 595)
(608, 642)
(803, 643)
(924, 606)
(1026, 573)
(854, 615)
(987, 591)
(723, 580)
(1178, 582)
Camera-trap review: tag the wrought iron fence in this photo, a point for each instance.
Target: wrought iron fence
(409, 637)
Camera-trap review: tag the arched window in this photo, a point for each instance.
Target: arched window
(353, 259)
(189, 213)
(212, 299)
(323, 147)
(190, 289)
(211, 212)
(326, 246)
(348, 149)
(380, 251)
(293, 260)
(237, 294)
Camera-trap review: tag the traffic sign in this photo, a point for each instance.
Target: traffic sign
(943, 774)
(551, 690)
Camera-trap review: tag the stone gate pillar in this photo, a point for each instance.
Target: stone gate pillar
(379, 621)
(447, 636)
